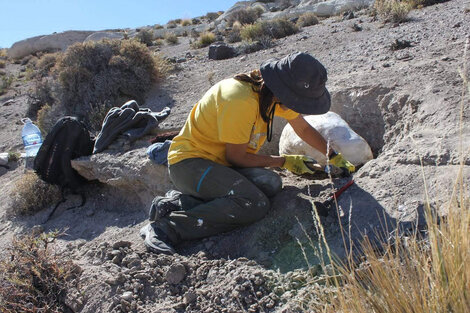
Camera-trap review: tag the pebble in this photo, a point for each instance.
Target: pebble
(121, 244)
(37, 230)
(175, 274)
(127, 295)
(189, 297)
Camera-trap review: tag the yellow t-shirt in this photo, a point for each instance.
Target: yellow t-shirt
(227, 113)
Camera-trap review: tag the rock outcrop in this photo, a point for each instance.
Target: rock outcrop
(104, 35)
(54, 42)
(132, 172)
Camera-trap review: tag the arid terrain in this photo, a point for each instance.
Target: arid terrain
(404, 100)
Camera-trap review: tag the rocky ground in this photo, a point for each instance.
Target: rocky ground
(405, 102)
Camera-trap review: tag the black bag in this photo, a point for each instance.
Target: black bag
(68, 140)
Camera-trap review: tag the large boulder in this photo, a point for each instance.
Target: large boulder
(334, 129)
(104, 35)
(54, 42)
(320, 8)
(132, 172)
(221, 51)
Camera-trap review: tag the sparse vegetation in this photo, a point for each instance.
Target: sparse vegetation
(46, 63)
(3, 53)
(212, 16)
(35, 279)
(41, 95)
(158, 26)
(145, 36)
(233, 35)
(394, 11)
(171, 38)
(94, 72)
(307, 19)
(13, 156)
(5, 83)
(245, 16)
(205, 39)
(31, 194)
(98, 113)
(47, 117)
(171, 25)
(2, 64)
(277, 28)
(186, 22)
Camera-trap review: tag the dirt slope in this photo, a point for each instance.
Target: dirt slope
(405, 103)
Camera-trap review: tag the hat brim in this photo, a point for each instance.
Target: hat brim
(299, 104)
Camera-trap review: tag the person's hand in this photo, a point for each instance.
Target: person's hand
(339, 161)
(296, 163)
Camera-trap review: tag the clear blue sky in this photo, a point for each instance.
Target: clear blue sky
(21, 19)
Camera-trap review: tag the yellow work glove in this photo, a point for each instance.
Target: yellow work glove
(296, 163)
(339, 161)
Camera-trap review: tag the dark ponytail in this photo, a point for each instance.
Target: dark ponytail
(266, 105)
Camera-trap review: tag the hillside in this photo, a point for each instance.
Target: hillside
(396, 84)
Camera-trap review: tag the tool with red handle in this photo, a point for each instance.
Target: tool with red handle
(324, 208)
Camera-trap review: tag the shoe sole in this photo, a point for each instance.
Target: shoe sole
(148, 244)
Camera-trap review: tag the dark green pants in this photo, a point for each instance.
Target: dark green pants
(224, 198)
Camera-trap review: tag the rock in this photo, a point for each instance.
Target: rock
(3, 158)
(3, 170)
(127, 295)
(132, 172)
(333, 128)
(121, 244)
(176, 273)
(104, 35)
(221, 51)
(36, 230)
(54, 42)
(189, 297)
(323, 9)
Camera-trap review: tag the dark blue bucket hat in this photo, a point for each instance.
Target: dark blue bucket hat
(298, 81)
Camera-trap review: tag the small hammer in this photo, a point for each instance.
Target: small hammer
(324, 208)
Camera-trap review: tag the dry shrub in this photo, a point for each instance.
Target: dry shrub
(158, 26)
(3, 53)
(171, 38)
(145, 36)
(115, 71)
(277, 28)
(46, 63)
(41, 95)
(35, 279)
(186, 22)
(233, 35)
(245, 16)
(307, 19)
(97, 114)
(212, 16)
(394, 11)
(47, 117)
(205, 39)
(5, 83)
(31, 194)
(2, 64)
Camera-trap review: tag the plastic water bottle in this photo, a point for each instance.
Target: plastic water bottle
(32, 139)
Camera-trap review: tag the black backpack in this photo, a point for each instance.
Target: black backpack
(68, 140)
